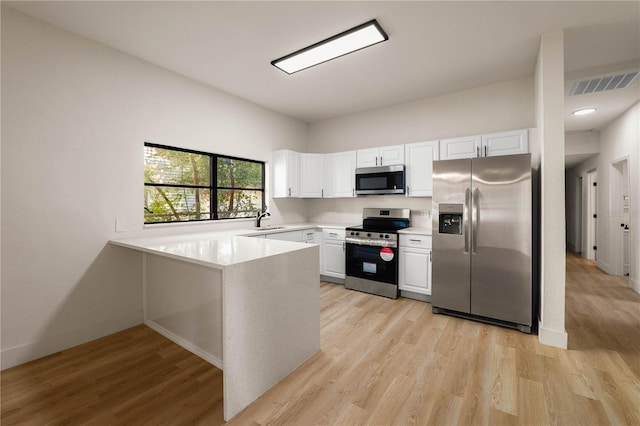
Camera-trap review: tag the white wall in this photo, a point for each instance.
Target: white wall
(550, 123)
(75, 117)
(504, 106)
(618, 140)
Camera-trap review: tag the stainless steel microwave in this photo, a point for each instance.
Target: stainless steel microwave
(380, 180)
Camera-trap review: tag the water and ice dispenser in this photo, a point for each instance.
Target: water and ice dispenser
(450, 219)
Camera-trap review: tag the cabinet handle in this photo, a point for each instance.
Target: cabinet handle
(322, 193)
(408, 190)
(485, 150)
(477, 151)
(353, 192)
(415, 241)
(376, 160)
(331, 234)
(344, 246)
(289, 192)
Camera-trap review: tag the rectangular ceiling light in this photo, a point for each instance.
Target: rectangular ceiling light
(356, 38)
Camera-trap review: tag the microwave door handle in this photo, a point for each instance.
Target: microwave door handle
(465, 219)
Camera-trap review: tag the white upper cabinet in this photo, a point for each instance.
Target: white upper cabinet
(368, 157)
(312, 175)
(339, 174)
(391, 155)
(419, 159)
(490, 145)
(285, 165)
(455, 148)
(505, 143)
(383, 156)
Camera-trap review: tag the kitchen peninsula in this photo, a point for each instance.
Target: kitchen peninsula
(250, 306)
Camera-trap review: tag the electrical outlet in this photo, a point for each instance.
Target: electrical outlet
(121, 225)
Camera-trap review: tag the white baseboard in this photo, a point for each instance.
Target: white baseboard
(603, 266)
(550, 337)
(185, 344)
(634, 284)
(60, 341)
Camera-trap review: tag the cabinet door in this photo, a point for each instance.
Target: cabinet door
(467, 147)
(312, 169)
(285, 169)
(293, 172)
(368, 157)
(505, 143)
(333, 259)
(414, 274)
(419, 168)
(344, 174)
(391, 155)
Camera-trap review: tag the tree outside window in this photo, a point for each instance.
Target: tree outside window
(183, 185)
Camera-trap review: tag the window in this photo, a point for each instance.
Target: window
(181, 185)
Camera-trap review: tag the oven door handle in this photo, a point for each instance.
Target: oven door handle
(371, 243)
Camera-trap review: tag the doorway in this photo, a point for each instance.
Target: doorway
(619, 200)
(592, 215)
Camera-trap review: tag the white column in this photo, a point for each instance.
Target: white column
(549, 87)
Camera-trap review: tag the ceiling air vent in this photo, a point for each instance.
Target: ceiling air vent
(603, 84)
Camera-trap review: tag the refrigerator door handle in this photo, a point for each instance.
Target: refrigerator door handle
(466, 219)
(475, 220)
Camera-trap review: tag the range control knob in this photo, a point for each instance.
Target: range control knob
(353, 233)
(368, 235)
(381, 236)
(386, 236)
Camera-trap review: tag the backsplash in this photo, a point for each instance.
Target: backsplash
(349, 210)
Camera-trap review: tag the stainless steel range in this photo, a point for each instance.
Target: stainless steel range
(372, 251)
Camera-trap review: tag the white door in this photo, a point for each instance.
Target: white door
(419, 168)
(344, 174)
(293, 173)
(414, 270)
(467, 147)
(312, 175)
(368, 157)
(391, 155)
(333, 258)
(505, 143)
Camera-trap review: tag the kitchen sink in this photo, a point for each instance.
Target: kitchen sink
(269, 228)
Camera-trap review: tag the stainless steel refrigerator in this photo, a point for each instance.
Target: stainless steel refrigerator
(482, 240)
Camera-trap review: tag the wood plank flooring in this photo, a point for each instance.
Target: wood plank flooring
(382, 362)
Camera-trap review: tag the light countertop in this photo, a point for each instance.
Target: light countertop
(219, 249)
(214, 251)
(415, 230)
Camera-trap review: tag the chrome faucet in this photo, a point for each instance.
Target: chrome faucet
(260, 216)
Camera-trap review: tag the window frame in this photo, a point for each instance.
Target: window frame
(213, 183)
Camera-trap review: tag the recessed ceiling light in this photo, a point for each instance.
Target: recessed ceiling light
(584, 111)
(349, 41)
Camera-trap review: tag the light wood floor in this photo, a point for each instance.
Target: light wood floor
(382, 362)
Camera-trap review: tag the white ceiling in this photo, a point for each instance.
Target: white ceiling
(433, 48)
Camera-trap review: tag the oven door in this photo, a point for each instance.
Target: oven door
(372, 263)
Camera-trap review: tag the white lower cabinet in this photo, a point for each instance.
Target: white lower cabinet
(414, 264)
(333, 253)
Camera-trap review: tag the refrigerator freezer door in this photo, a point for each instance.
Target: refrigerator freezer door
(501, 238)
(451, 260)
